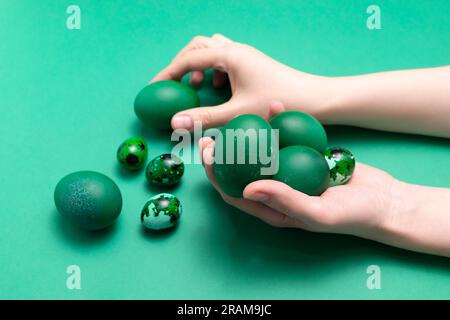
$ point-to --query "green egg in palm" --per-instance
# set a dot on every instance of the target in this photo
(243, 150)
(299, 128)
(341, 163)
(303, 169)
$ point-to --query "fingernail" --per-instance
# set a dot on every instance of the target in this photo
(258, 196)
(182, 122)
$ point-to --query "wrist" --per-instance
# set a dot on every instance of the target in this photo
(319, 96)
(403, 225)
(402, 207)
(334, 100)
(390, 221)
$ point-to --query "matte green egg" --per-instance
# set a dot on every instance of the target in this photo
(299, 128)
(208, 94)
(240, 152)
(158, 102)
(303, 169)
(88, 199)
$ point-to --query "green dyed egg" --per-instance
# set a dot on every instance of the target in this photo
(341, 163)
(299, 128)
(303, 169)
(243, 149)
(208, 94)
(88, 199)
(161, 212)
(132, 153)
(158, 102)
(166, 170)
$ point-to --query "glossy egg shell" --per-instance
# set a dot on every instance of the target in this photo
(88, 199)
(165, 170)
(299, 128)
(208, 94)
(303, 169)
(158, 102)
(234, 177)
(132, 153)
(162, 211)
(341, 163)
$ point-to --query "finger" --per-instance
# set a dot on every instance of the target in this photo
(203, 144)
(284, 199)
(199, 42)
(207, 116)
(207, 154)
(193, 60)
(220, 78)
(265, 213)
(275, 108)
(196, 78)
(222, 38)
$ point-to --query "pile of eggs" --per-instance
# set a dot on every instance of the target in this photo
(304, 162)
(93, 201)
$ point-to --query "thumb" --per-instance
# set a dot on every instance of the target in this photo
(208, 116)
(284, 199)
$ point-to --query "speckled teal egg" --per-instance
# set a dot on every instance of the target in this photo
(88, 199)
(158, 102)
(341, 163)
(304, 169)
(165, 170)
(299, 128)
(161, 212)
(132, 153)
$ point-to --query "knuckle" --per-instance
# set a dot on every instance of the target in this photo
(170, 73)
(230, 54)
(220, 37)
(197, 38)
(184, 63)
(206, 118)
(241, 47)
(234, 52)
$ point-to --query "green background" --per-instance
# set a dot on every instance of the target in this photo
(66, 104)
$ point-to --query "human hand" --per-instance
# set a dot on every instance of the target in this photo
(361, 205)
(256, 80)
(372, 205)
